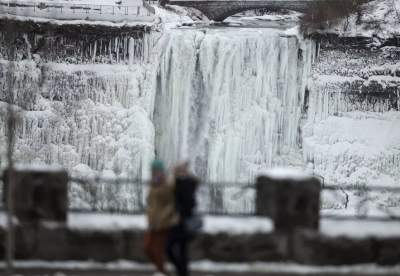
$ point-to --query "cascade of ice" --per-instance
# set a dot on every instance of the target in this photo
(351, 135)
(102, 47)
(86, 117)
(231, 101)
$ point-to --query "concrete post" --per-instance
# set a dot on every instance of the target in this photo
(290, 198)
(39, 195)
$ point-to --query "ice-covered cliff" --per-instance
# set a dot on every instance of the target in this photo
(233, 100)
(352, 135)
(86, 99)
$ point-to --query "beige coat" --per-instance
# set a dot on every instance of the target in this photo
(161, 212)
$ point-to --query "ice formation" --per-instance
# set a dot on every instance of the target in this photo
(231, 100)
(85, 117)
(352, 132)
(234, 101)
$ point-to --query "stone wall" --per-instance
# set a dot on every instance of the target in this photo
(51, 238)
(46, 242)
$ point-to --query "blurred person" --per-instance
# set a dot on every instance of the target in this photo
(161, 216)
(188, 224)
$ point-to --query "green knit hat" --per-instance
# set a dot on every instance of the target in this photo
(157, 165)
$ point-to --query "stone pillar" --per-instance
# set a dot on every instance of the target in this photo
(290, 198)
(39, 195)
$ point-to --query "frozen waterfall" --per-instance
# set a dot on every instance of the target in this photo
(89, 118)
(231, 101)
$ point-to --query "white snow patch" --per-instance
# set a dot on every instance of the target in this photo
(214, 267)
(212, 224)
(39, 168)
(360, 228)
(287, 173)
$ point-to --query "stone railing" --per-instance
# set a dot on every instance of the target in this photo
(291, 201)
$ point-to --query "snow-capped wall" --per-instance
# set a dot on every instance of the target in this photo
(231, 101)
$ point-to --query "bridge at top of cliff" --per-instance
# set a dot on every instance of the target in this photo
(219, 10)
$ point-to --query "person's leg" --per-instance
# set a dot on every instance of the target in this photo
(183, 246)
(154, 248)
(148, 246)
(159, 251)
(177, 250)
(171, 246)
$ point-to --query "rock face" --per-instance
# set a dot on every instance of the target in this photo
(73, 43)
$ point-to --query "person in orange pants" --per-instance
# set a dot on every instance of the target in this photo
(154, 247)
(161, 215)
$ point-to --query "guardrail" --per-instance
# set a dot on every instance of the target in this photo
(77, 11)
(128, 196)
(238, 199)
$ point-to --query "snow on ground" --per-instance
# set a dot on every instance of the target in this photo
(213, 267)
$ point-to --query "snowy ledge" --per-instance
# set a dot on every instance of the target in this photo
(360, 229)
(239, 225)
(233, 225)
(60, 22)
(215, 267)
(212, 224)
(287, 173)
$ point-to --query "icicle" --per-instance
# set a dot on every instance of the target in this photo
(94, 51)
(131, 50)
